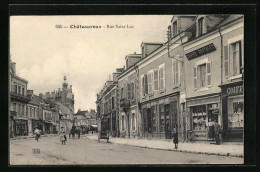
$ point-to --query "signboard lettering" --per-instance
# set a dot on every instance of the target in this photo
(199, 52)
(235, 90)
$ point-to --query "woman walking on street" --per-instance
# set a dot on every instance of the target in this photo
(175, 138)
(37, 133)
(63, 137)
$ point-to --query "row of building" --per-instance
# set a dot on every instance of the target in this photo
(50, 112)
(185, 83)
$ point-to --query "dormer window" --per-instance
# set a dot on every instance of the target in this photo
(174, 28)
(200, 26)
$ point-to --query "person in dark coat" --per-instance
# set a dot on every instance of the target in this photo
(217, 132)
(175, 138)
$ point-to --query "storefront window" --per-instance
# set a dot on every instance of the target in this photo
(133, 121)
(199, 117)
(123, 123)
(149, 120)
(235, 113)
(154, 118)
(162, 121)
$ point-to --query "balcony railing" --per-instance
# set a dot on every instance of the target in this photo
(125, 104)
(19, 97)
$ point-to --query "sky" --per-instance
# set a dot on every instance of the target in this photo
(44, 54)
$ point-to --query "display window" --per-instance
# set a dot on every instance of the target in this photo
(199, 118)
(236, 112)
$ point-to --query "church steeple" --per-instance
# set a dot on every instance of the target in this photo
(65, 84)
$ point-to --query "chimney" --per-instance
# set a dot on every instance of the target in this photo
(13, 67)
(29, 92)
(71, 88)
(41, 95)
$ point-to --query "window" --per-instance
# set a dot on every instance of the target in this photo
(19, 89)
(133, 91)
(162, 76)
(14, 107)
(19, 109)
(32, 112)
(174, 28)
(113, 103)
(199, 117)
(183, 109)
(122, 93)
(153, 118)
(155, 80)
(123, 123)
(235, 112)
(202, 75)
(15, 87)
(23, 91)
(133, 121)
(149, 80)
(200, 26)
(129, 91)
(28, 111)
(176, 72)
(36, 114)
(126, 63)
(235, 58)
(23, 110)
(144, 87)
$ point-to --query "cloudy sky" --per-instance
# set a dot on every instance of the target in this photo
(87, 56)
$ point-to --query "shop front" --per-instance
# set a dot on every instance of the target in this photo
(11, 124)
(48, 127)
(160, 117)
(233, 111)
(203, 111)
(21, 127)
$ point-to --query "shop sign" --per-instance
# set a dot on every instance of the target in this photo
(200, 135)
(167, 100)
(199, 52)
(153, 103)
(161, 101)
(235, 90)
(148, 105)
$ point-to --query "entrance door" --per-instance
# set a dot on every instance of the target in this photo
(167, 122)
(149, 123)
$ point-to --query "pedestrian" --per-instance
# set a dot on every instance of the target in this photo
(217, 132)
(78, 134)
(37, 133)
(63, 137)
(211, 129)
(175, 138)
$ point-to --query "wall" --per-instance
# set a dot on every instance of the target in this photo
(215, 58)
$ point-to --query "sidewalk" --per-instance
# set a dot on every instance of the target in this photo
(225, 149)
(31, 136)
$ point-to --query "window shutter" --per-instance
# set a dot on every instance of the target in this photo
(146, 84)
(177, 72)
(163, 77)
(226, 60)
(156, 79)
(209, 73)
(149, 80)
(195, 77)
(174, 71)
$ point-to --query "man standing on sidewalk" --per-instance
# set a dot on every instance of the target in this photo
(217, 132)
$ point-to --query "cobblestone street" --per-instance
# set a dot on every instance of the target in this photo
(89, 152)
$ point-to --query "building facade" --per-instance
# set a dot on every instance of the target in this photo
(129, 115)
(18, 121)
(232, 85)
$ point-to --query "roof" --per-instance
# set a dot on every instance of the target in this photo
(63, 108)
(36, 100)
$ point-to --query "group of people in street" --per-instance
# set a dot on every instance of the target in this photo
(214, 131)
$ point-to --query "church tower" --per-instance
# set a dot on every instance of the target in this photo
(66, 95)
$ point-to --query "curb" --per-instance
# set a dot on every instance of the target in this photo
(178, 150)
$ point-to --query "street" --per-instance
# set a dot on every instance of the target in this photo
(49, 151)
